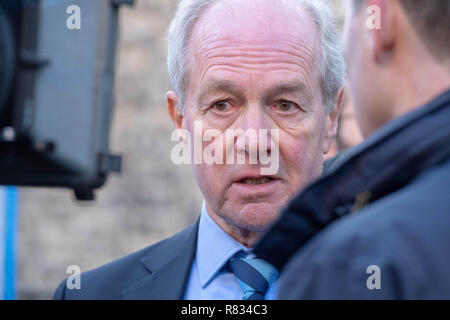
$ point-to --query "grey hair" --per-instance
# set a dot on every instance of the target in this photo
(332, 68)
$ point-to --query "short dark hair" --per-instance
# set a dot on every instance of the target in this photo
(431, 20)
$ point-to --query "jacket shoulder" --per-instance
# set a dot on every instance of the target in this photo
(108, 281)
(404, 234)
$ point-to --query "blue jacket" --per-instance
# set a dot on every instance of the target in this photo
(378, 225)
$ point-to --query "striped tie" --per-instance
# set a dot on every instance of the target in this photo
(254, 276)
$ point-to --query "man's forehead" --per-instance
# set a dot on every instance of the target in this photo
(257, 22)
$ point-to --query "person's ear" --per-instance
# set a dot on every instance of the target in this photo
(332, 122)
(381, 27)
(174, 110)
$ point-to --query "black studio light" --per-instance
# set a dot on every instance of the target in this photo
(57, 61)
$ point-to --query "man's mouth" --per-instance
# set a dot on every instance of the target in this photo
(256, 181)
(255, 186)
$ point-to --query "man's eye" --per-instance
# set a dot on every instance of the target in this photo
(286, 106)
(221, 105)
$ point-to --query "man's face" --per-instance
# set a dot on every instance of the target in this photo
(254, 66)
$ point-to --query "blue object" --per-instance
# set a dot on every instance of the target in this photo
(254, 275)
(8, 216)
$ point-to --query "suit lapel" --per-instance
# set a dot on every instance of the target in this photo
(169, 265)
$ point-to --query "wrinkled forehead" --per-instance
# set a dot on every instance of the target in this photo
(264, 24)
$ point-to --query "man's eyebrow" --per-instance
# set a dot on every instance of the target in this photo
(220, 85)
(289, 87)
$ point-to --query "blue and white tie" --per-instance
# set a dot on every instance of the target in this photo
(254, 276)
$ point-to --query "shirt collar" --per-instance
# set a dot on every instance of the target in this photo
(214, 248)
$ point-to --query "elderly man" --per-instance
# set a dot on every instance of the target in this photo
(244, 65)
(394, 245)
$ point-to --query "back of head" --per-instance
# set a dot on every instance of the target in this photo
(431, 20)
(398, 57)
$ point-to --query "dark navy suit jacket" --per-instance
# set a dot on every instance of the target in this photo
(159, 271)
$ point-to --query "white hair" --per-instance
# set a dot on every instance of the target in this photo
(332, 69)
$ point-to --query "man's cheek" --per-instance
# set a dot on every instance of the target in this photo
(212, 178)
(301, 162)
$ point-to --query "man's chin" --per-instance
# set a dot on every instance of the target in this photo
(257, 217)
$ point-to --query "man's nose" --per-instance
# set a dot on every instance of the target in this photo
(254, 132)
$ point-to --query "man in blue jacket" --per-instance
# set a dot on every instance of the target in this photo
(378, 225)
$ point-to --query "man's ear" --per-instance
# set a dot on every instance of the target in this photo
(381, 28)
(332, 122)
(174, 110)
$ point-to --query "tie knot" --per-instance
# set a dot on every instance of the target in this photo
(254, 276)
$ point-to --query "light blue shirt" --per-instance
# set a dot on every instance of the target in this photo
(210, 278)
